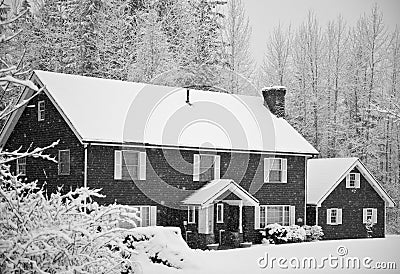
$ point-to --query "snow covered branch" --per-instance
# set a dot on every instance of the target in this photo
(38, 235)
(4, 38)
(10, 109)
(14, 80)
(36, 152)
(389, 112)
(6, 22)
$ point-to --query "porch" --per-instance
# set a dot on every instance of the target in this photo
(216, 214)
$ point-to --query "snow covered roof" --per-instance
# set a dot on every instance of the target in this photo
(216, 189)
(103, 110)
(323, 175)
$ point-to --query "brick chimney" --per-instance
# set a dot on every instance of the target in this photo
(274, 99)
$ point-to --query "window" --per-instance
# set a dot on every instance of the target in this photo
(63, 162)
(275, 170)
(41, 110)
(370, 214)
(147, 215)
(353, 180)
(130, 165)
(21, 166)
(283, 215)
(334, 216)
(220, 213)
(206, 167)
(262, 216)
(191, 214)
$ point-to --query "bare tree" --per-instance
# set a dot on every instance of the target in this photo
(236, 36)
(313, 39)
(375, 35)
(276, 59)
(337, 44)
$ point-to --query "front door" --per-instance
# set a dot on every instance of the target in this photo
(232, 222)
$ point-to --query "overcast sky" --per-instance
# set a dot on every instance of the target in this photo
(264, 15)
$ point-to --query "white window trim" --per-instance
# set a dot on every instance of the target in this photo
(41, 112)
(197, 164)
(59, 162)
(339, 218)
(291, 214)
(137, 166)
(152, 214)
(21, 162)
(191, 214)
(356, 180)
(141, 166)
(374, 215)
(220, 216)
(267, 169)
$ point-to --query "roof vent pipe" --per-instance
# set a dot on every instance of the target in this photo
(188, 97)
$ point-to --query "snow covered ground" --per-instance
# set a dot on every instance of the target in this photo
(344, 256)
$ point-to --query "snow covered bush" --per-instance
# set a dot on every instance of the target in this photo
(60, 234)
(313, 233)
(276, 233)
(291, 234)
(295, 234)
(163, 245)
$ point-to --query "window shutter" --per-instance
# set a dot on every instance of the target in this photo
(68, 163)
(142, 166)
(357, 183)
(41, 110)
(257, 217)
(267, 168)
(202, 220)
(374, 215)
(153, 215)
(188, 215)
(217, 162)
(364, 215)
(339, 216)
(59, 162)
(210, 219)
(292, 211)
(348, 180)
(196, 167)
(118, 164)
(328, 216)
(284, 170)
(17, 167)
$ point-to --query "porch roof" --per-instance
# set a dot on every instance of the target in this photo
(215, 189)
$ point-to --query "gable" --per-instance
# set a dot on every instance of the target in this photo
(324, 175)
(31, 107)
(364, 194)
(102, 110)
(219, 189)
(29, 133)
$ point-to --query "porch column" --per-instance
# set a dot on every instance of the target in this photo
(240, 217)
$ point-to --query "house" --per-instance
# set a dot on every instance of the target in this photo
(219, 166)
(342, 196)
